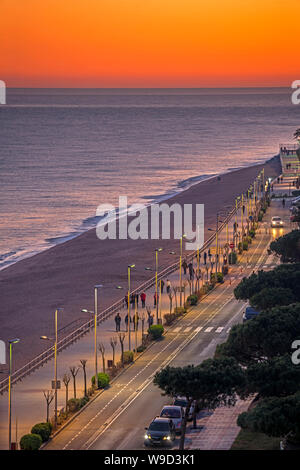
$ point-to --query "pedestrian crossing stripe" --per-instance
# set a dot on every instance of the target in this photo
(187, 329)
(177, 329)
(219, 329)
(208, 330)
(199, 328)
(228, 330)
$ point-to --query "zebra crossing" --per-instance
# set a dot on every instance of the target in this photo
(209, 329)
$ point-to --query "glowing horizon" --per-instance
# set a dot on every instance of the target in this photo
(156, 44)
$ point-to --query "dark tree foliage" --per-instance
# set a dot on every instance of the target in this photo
(277, 377)
(213, 383)
(285, 276)
(271, 296)
(275, 416)
(260, 339)
(287, 247)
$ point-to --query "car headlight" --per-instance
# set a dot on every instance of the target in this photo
(167, 438)
(281, 222)
(147, 436)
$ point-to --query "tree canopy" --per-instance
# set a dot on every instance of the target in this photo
(264, 337)
(287, 247)
(285, 276)
(213, 383)
(273, 416)
(271, 296)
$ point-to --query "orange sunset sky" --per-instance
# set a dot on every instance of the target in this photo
(149, 43)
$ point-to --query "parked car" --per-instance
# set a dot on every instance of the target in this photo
(276, 222)
(175, 413)
(250, 313)
(161, 432)
(182, 401)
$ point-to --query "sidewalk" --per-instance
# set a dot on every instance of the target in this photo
(217, 430)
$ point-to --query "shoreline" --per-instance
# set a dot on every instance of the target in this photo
(76, 231)
(64, 275)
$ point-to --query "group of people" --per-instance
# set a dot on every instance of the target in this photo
(134, 319)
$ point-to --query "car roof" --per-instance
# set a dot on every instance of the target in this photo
(276, 217)
(176, 407)
(161, 420)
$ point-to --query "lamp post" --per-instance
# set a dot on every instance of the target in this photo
(180, 268)
(157, 250)
(55, 363)
(130, 266)
(10, 342)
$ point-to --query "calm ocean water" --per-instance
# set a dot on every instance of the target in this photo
(65, 151)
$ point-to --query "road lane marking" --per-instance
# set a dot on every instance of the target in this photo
(187, 329)
(199, 328)
(219, 329)
(209, 329)
(177, 329)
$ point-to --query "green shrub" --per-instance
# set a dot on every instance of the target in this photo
(103, 379)
(127, 357)
(249, 240)
(43, 430)
(74, 404)
(83, 401)
(245, 245)
(156, 331)
(232, 258)
(169, 318)
(192, 299)
(179, 311)
(260, 216)
(140, 349)
(220, 278)
(252, 233)
(31, 442)
(203, 289)
(240, 248)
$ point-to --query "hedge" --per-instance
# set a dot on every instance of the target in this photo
(43, 430)
(192, 299)
(103, 380)
(31, 442)
(156, 331)
(127, 357)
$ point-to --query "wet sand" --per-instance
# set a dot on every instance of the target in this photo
(64, 275)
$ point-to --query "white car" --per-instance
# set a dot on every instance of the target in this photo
(182, 401)
(175, 413)
(276, 222)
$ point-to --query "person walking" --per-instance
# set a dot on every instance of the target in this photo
(283, 202)
(118, 321)
(204, 257)
(126, 301)
(168, 286)
(136, 322)
(162, 285)
(156, 299)
(143, 299)
(191, 270)
(150, 320)
(184, 265)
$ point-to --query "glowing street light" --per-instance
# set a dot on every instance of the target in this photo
(10, 342)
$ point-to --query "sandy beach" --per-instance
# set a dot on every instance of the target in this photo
(64, 275)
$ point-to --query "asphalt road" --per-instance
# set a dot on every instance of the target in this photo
(116, 418)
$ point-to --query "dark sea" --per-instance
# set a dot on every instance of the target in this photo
(65, 151)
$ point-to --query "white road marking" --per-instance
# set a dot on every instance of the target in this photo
(187, 329)
(199, 328)
(209, 329)
(219, 329)
(177, 329)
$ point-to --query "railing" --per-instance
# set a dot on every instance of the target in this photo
(83, 329)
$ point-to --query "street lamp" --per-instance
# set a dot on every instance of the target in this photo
(180, 268)
(157, 250)
(10, 342)
(55, 364)
(95, 313)
(130, 267)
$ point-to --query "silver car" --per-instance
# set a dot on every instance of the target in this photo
(276, 222)
(182, 401)
(176, 414)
